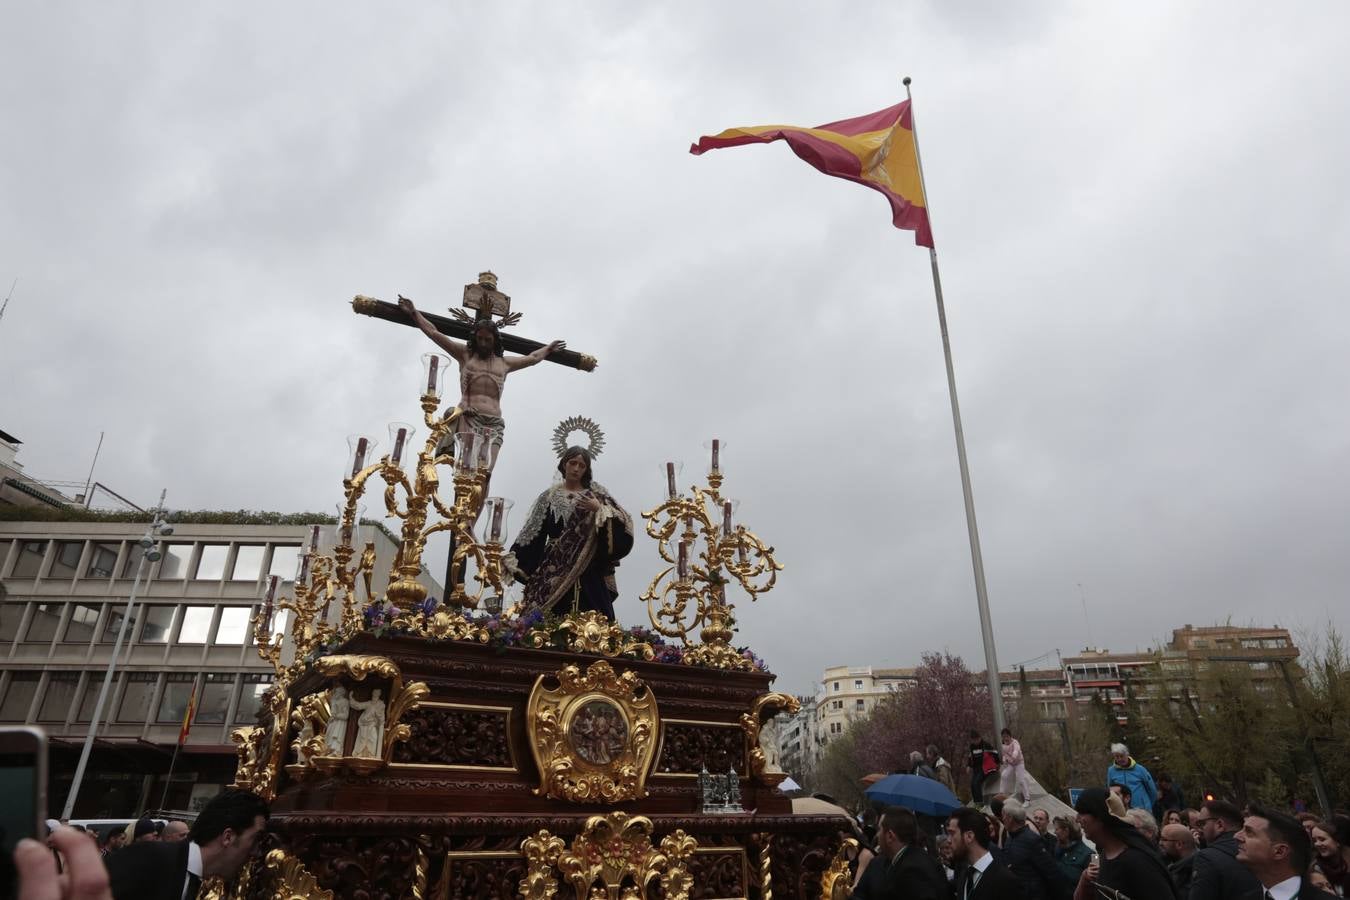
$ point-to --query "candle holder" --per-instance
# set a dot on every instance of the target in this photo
(433, 374)
(705, 552)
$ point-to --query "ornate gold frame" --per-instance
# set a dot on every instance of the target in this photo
(837, 882)
(564, 774)
(754, 720)
(609, 850)
(402, 698)
(661, 743)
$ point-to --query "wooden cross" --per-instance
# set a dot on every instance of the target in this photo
(486, 301)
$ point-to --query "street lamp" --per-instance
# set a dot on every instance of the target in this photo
(149, 553)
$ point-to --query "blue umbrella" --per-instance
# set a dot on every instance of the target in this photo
(922, 795)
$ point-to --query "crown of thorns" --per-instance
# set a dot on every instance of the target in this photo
(578, 423)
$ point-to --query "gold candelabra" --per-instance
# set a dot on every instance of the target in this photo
(690, 593)
(324, 579)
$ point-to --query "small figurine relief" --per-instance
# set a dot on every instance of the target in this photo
(335, 735)
(369, 727)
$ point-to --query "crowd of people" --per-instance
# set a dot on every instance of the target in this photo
(147, 860)
(1130, 839)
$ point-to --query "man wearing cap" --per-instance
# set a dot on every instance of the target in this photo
(1275, 848)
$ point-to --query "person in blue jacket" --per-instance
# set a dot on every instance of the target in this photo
(1126, 772)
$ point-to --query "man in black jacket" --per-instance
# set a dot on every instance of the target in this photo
(980, 876)
(1276, 850)
(220, 843)
(1024, 855)
(1216, 874)
(911, 874)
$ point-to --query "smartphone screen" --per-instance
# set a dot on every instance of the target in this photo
(23, 785)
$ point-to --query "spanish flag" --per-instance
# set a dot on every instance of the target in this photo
(877, 151)
(188, 715)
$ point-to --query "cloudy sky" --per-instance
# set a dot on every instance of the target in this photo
(1140, 210)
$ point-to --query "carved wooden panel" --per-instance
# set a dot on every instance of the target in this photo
(356, 868)
(454, 735)
(687, 747)
(720, 873)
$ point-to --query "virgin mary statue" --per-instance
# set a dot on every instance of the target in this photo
(571, 542)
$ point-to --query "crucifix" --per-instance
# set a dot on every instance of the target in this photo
(483, 364)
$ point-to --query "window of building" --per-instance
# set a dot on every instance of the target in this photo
(22, 687)
(29, 562)
(103, 560)
(114, 623)
(837, 704)
(215, 699)
(196, 624)
(836, 686)
(174, 563)
(836, 728)
(92, 685)
(857, 684)
(233, 627)
(135, 553)
(173, 702)
(158, 624)
(285, 560)
(248, 561)
(11, 614)
(42, 627)
(140, 690)
(59, 696)
(250, 697)
(66, 559)
(860, 704)
(83, 621)
(211, 565)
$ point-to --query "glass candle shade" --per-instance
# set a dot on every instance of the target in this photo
(670, 477)
(468, 451)
(400, 437)
(493, 524)
(360, 452)
(715, 448)
(433, 373)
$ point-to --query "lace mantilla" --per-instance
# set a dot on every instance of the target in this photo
(559, 501)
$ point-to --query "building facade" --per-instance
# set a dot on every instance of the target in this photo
(64, 589)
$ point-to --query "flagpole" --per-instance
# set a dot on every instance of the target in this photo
(976, 557)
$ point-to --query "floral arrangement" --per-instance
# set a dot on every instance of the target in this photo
(531, 630)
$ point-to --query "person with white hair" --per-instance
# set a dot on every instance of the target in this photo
(1127, 772)
(1144, 822)
(1025, 855)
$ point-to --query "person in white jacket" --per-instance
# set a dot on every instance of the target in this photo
(1014, 769)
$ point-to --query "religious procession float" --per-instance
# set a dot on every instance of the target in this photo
(426, 748)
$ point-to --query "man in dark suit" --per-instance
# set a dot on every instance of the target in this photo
(911, 874)
(1275, 848)
(980, 876)
(220, 843)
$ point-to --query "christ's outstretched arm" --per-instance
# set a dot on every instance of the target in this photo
(446, 343)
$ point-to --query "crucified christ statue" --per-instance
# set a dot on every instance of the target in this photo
(483, 367)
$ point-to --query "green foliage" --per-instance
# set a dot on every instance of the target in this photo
(838, 772)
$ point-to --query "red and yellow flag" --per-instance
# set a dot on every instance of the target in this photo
(876, 150)
(188, 715)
